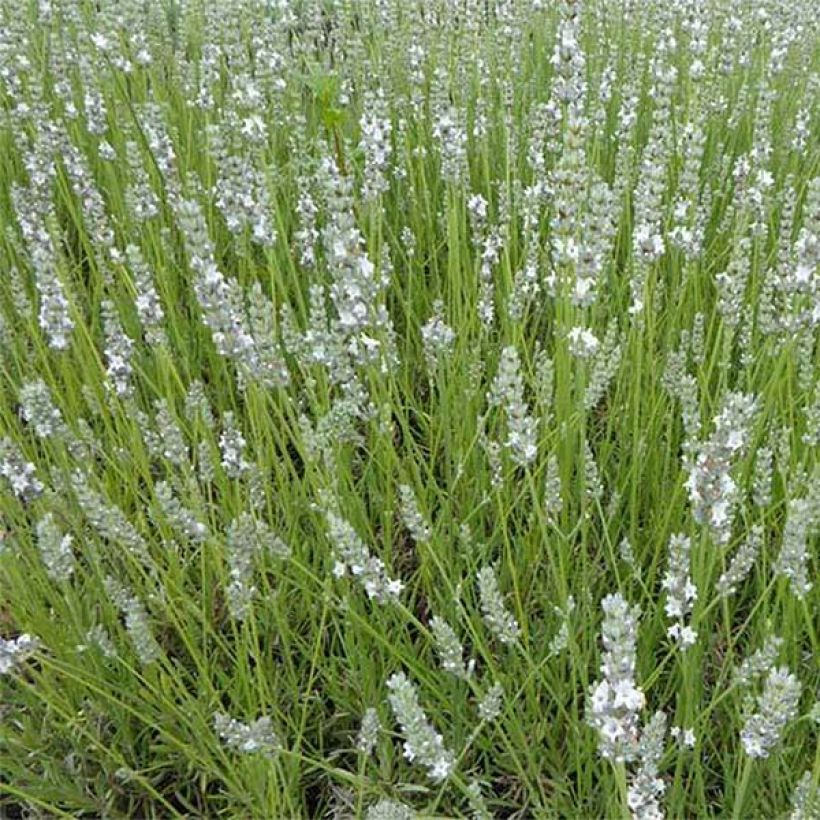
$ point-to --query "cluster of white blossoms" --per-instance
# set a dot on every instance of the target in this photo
(353, 556)
(422, 744)
(681, 593)
(495, 309)
(713, 492)
(616, 701)
(249, 738)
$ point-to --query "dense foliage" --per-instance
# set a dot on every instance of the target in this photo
(409, 408)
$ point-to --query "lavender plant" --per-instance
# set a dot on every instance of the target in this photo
(338, 338)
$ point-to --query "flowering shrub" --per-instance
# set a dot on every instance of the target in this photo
(409, 408)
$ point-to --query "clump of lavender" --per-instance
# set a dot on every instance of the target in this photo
(553, 501)
(680, 591)
(776, 707)
(499, 621)
(362, 325)
(422, 743)
(491, 703)
(248, 738)
(615, 701)
(147, 301)
(762, 479)
(108, 520)
(221, 299)
(97, 636)
(507, 391)
(54, 313)
(759, 661)
(178, 515)
(713, 492)
(119, 349)
(478, 806)
(55, 548)
(560, 641)
(582, 342)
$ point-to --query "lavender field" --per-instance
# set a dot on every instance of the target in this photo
(409, 409)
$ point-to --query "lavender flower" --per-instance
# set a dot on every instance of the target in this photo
(450, 650)
(615, 701)
(18, 472)
(55, 548)
(508, 392)
(680, 591)
(777, 706)
(14, 651)
(254, 738)
(422, 743)
(500, 622)
(352, 555)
